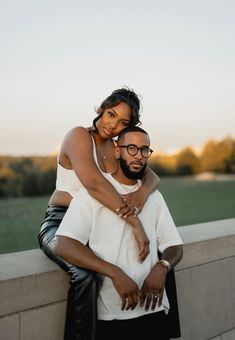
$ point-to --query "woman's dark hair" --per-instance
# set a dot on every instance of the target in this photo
(122, 95)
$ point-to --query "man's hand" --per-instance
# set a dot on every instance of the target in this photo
(153, 287)
(127, 289)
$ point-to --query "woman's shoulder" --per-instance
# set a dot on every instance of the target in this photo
(76, 139)
(78, 132)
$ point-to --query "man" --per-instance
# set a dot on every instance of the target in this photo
(132, 295)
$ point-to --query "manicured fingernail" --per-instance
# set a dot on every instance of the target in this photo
(118, 209)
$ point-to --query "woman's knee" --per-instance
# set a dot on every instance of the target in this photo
(84, 279)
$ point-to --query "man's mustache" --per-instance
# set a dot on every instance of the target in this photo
(137, 162)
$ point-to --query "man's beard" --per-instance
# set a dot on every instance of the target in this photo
(131, 174)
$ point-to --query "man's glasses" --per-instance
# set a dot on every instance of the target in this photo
(133, 149)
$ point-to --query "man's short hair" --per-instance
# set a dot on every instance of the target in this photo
(131, 129)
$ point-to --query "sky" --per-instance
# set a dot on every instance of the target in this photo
(60, 59)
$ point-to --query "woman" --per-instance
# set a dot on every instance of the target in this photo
(84, 152)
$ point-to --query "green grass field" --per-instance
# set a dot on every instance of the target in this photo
(192, 201)
(189, 201)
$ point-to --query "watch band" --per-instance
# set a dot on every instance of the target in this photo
(165, 264)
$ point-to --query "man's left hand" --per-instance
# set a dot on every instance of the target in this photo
(153, 287)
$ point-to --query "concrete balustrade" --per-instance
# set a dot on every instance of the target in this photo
(33, 289)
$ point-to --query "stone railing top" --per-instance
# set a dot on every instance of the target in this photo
(207, 231)
(24, 263)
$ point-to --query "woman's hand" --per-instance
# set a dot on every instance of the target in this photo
(135, 201)
(127, 208)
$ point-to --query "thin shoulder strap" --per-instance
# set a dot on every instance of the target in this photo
(94, 152)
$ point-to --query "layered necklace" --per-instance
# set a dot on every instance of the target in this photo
(130, 188)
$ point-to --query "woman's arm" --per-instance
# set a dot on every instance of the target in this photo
(78, 148)
(150, 182)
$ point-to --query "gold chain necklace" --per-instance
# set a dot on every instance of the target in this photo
(130, 188)
(102, 153)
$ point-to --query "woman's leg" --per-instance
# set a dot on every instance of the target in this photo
(81, 311)
(80, 319)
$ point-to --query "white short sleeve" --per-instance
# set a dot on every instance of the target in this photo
(167, 233)
(76, 222)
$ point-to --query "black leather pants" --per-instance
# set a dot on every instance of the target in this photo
(80, 322)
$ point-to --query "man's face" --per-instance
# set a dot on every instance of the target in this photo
(133, 166)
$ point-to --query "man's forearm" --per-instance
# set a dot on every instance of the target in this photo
(76, 253)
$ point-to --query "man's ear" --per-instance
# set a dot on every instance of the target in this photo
(117, 152)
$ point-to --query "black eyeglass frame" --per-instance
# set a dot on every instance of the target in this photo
(127, 146)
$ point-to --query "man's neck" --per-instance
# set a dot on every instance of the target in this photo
(121, 178)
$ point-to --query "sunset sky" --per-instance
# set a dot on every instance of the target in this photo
(60, 59)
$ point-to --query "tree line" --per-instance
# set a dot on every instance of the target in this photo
(215, 156)
(27, 176)
(35, 176)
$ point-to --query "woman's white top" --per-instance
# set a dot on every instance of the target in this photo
(67, 180)
(112, 239)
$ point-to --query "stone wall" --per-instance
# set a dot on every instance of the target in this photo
(33, 289)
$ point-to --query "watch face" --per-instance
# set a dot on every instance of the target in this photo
(165, 263)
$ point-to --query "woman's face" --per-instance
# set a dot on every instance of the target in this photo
(114, 120)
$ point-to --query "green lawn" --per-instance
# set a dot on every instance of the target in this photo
(189, 201)
(20, 220)
(193, 201)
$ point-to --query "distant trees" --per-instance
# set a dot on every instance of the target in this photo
(27, 176)
(216, 156)
(33, 176)
(187, 162)
(219, 156)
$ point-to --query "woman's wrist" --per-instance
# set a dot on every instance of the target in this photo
(133, 221)
(143, 193)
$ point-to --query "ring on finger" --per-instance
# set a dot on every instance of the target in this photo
(136, 210)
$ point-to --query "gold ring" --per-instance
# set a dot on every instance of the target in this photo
(136, 210)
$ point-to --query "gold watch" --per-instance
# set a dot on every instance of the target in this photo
(165, 264)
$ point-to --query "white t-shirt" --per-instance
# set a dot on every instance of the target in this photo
(112, 239)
